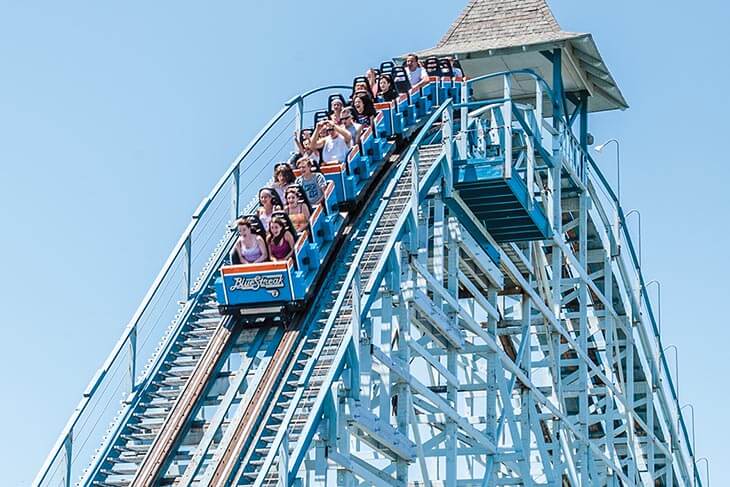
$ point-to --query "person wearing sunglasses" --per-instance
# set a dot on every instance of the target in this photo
(349, 123)
(333, 139)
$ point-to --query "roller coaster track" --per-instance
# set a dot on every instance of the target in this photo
(177, 377)
(290, 359)
(156, 423)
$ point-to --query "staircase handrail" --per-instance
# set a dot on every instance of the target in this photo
(526, 72)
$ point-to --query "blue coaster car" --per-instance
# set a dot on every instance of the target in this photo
(273, 289)
(254, 289)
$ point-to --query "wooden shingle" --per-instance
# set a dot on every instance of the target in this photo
(497, 24)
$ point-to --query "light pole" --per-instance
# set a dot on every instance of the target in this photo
(707, 468)
(599, 148)
(676, 366)
(694, 464)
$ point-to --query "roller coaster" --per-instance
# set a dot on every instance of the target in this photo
(470, 305)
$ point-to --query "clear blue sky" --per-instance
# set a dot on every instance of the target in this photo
(116, 120)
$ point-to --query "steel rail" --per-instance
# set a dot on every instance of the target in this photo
(528, 72)
(253, 409)
(356, 271)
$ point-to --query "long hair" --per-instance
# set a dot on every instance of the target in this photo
(367, 103)
(300, 194)
(283, 223)
(253, 223)
(275, 200)
(389, 94)
(285, 169)
(244, 221)
(283, 220)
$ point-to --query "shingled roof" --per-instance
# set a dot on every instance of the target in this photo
(509, 30)
(496, 24)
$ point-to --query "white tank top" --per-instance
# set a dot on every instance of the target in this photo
(335, 149)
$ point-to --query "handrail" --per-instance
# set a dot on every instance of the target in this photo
(183, 245)
(529, 72)
(316, 90)
(643, 295)
(510, 111)
(376, 274)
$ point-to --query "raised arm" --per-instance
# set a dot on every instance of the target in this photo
(344, 133)
(298, 143)
(316, 140)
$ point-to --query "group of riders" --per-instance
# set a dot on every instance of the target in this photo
(298, 187)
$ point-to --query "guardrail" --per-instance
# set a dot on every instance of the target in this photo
(174, 292)
(532, 120)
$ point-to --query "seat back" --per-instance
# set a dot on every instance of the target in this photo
(445, 68)
(387, 66)
(400, 79)
(431, 65)
(360, 79)
(333, 97)
(320, 115)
